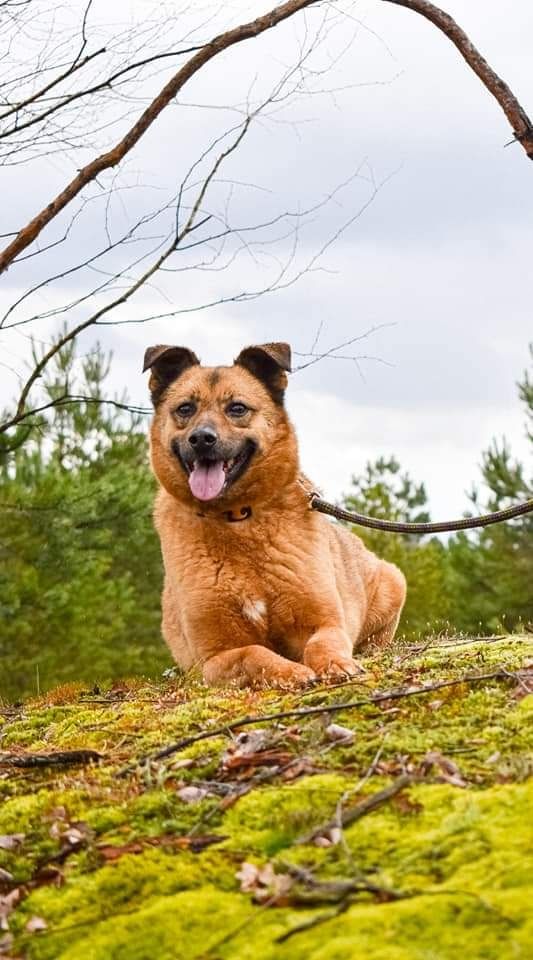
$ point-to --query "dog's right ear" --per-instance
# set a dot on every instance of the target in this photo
(166, 364)
(270, 363)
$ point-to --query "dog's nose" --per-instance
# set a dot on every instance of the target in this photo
(203, 440)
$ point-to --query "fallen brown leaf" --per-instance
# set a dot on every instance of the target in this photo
(448, 771)
(10, 841)
(35, 924)
(341, 735)
(7, 905)
(264, 883)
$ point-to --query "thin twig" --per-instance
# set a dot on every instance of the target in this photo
(112, 157)
(316, 920)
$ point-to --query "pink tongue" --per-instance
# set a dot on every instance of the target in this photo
(207, 479)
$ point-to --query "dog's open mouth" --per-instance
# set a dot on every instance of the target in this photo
(209, 478)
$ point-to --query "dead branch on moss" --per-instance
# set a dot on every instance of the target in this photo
(395, 694)
(360, 809)
(57, 759)
(315, 921)
(341, 893)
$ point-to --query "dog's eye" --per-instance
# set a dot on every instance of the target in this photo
(237, 409)
(185, 409)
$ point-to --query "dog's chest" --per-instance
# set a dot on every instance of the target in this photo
(277, 587)
(283, 593)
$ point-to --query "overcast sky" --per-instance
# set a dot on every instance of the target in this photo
(437, 264)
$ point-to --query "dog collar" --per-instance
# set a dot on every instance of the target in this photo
(229, 516)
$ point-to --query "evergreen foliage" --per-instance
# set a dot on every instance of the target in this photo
(80, 568)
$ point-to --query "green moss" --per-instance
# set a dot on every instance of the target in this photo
(33, 816)
(126, 885)
(461, 858)
(149, 815)
(267, 820)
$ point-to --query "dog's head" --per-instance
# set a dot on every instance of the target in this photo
(221, 433)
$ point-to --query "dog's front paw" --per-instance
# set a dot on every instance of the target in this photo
(292, 675)
(334, 666)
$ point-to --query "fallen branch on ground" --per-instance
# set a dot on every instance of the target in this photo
(57, 759)
(360, 809)
(395, 694)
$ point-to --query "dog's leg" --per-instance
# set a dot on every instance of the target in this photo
(383, 635)
(386, 607)
(254, 665)
(329, 652)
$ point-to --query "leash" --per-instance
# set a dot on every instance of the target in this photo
(390, 526)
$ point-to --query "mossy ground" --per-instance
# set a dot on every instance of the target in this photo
(123, 868)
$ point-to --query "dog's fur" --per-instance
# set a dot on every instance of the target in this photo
(281, 595)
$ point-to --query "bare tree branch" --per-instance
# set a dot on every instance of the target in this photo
(110, 158)
(521, 124)
(180, 233)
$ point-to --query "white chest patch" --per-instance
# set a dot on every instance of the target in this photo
(254, 610)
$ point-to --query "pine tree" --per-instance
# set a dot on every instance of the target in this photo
(384, 491)
(493, 570)
(80, 571)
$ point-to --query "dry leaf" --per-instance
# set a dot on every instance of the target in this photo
(322, 842)
(111, 852)
(6, 942)
(10, 841)
(192, 794)
(338, 734)
(35, 924)
(449, 771)
(264, 883)
(7, 904)
(524, 687)
(76, 835)
(330, 838)
(246, 744)
(298, 768)
(248, 875)
(251, 741)
(404, 804)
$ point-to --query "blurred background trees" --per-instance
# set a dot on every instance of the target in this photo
(80, 568)
(481, 581)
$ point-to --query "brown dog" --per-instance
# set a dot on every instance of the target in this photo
(258, 588)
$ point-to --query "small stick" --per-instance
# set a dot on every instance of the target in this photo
(360, 809)
(315, 921)
(60, 758)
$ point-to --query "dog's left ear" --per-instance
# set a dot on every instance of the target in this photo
(270, 363)
(166, 364)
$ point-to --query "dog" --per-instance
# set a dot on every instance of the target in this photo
(259, 588)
